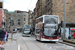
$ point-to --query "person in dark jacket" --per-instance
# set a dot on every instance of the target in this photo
(2, 36)
(7, 36)
(69, 37)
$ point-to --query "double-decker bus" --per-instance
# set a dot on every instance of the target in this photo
(46, 28)
(26, 30)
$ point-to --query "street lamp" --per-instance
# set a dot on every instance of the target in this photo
(64, 19)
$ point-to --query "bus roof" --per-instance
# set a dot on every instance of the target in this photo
(46, 15)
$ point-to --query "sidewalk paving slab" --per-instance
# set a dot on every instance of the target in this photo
(68, 42)
(10, 45)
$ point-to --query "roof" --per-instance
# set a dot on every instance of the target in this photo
(10, 11)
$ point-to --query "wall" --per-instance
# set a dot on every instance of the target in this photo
(58, 9)
(0, 18)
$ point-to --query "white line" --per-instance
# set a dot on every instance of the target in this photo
(18, 47)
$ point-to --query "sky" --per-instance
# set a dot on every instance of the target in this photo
(23, 5)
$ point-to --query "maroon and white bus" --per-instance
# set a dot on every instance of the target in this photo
(46, 28)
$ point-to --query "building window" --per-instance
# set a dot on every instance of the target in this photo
(9, 17)
(18, 15)
(24, 15)
(19, 21)
(9, 14)
(19, 11)
(1, 5)
(24, 19)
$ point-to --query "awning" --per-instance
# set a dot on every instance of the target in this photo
(72, 29)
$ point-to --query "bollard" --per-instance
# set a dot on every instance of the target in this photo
(11, 36)
(1, 48)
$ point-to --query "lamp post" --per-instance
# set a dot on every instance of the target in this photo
(64, 19)
(11, 28)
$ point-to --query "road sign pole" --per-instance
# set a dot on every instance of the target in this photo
(12, 29)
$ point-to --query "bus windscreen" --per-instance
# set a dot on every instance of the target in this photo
(51, 20)
(26, 26)
(50, 26)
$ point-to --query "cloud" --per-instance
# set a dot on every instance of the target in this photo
(23, 5)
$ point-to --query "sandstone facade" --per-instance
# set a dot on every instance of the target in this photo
(58, 9)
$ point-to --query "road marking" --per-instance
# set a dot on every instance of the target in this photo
(18, 47)
(46, 45)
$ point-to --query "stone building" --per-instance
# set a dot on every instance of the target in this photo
(30, 18)
(48, 7)
(20, 18)
(40, 7)
(34, 17)
(6, 18)
(57, 8)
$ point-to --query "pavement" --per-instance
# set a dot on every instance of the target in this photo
(10, 45)
(70, 42)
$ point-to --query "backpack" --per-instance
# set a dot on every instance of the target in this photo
(69, 37)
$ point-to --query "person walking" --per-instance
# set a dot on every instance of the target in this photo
(31, 31)
(2, 36)
(69, 37)
(6, 37)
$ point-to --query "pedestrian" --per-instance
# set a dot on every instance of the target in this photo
(5, 39)
(7, 36)
(66, 37)
(31, 31)
(59, 34)
(2, 36)
(69, 37)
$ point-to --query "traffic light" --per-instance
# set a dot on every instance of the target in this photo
(11, 22)
(61, 24)
(3, 23)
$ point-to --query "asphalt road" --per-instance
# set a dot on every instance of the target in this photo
(29, 43)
